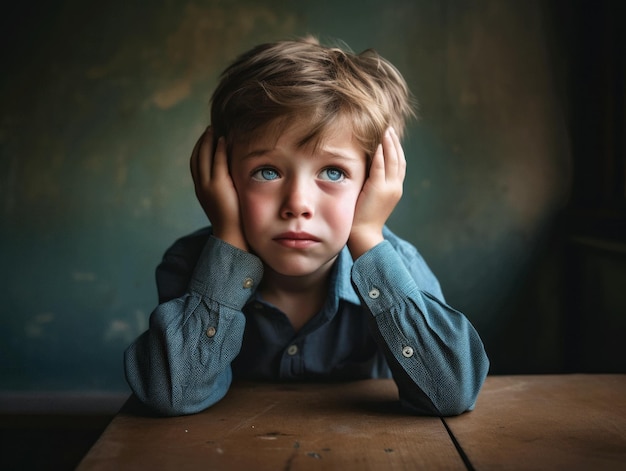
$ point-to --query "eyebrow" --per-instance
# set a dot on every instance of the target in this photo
(340, 155)
(322, 151)
(255, 154)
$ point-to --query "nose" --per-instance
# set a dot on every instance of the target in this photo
(297, 200)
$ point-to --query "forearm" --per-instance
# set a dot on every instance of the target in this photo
(181, 365)
(435, 354)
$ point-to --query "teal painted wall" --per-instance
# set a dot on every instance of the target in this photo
(103, 101)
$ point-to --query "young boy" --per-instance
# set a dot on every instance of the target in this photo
(299, 278)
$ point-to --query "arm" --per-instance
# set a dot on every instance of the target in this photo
(182, 363)
(436, 356)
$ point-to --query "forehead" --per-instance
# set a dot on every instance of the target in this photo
(335, 140)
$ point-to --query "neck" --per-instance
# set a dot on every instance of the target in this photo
(299, 297)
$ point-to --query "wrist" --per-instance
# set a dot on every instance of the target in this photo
(359, 243)
(232, 237)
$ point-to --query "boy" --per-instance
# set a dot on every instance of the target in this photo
(299, 278)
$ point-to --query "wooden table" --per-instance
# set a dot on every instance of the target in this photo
(520, 422)
(564, 422)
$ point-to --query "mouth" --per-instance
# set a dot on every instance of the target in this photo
(296, 240)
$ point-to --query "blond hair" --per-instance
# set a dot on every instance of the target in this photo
(276, 84)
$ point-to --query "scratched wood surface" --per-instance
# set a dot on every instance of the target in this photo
(567, 422)
(356, 425)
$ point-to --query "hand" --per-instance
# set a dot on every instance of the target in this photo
(215, 189)
(380, 194)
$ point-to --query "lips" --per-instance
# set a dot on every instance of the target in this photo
(297, 240)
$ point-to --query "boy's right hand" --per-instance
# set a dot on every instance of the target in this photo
(215, 189)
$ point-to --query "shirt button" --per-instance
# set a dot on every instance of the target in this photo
(292, 350)
(248, 282)
(407, 352)
(374, 293)
(210, 332)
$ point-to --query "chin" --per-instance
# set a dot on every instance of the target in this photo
(300, 268)
(295, 271)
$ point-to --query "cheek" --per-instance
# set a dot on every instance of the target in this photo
(254, 211)
(340, 211)
(248, 206)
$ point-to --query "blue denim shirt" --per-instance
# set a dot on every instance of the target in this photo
(384, 316)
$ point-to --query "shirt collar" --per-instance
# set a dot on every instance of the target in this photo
(341, 278)
(341, 288)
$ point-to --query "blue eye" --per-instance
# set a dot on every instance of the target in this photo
(332, 174)
(265, 174)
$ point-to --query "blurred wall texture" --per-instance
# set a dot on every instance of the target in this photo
(103, 101)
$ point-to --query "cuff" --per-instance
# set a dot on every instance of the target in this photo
(380, 277)
(226, 274)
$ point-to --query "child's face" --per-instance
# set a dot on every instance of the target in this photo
(297, 205)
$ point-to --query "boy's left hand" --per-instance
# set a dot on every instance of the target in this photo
(380, 195)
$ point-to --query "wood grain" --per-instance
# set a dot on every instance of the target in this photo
(356, 425)
(567, 422)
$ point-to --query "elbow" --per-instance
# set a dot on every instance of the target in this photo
(453, 394)
(458, 395)
(164, 402)
(166, 397)
(443, 407)
(164, 406)
(172, 409)
(456, 406)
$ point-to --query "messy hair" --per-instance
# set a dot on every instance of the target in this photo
(276, 84)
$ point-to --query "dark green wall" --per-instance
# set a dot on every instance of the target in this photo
(103, 101)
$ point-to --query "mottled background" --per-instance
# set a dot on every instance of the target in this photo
(103, 101)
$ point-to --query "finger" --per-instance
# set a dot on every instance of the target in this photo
(204, 159)
(220, 160)
(196, 160)
(193, 160)
(395, 159)
(399, 153)
(377, 167)
(391, 155)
